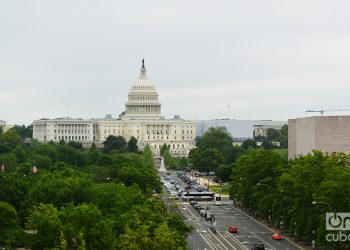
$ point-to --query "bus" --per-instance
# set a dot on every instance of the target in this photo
(217, 199)
(198, 196)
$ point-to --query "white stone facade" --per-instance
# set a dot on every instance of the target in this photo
(239, 129)
(142, 119)
(68, 129)
(4, 126)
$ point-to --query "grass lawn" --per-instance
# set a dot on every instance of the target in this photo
(283, 152)
(225, 189)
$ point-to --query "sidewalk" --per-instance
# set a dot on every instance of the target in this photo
(287, 236)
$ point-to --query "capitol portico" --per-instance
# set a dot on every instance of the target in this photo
(141, 119)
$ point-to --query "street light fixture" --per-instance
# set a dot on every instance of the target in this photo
(330, 210)
(323, 202)
(329, 206)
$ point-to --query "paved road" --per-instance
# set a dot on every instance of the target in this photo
(249, 233)
(249, 230)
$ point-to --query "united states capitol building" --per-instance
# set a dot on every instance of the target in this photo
(141, 119)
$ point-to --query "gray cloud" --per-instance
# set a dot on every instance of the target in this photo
(267, 59)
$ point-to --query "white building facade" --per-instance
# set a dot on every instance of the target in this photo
(239, 129)
(141, 119)
(4, 126)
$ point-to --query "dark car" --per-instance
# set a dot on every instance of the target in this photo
(196, 206)
(258, 246)
(193, 203)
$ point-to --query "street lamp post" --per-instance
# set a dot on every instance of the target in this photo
(281, 224)
(269, 217)
(270, 189)
(330, 210)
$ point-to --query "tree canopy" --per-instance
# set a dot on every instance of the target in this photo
(82, 198)
(267, 185)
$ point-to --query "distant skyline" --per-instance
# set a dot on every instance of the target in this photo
(239, 59)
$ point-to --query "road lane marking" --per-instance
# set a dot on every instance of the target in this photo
(236, 240)
(208, 241)
(221, 242)
(264, 241)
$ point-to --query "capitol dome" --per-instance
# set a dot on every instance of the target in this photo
(143, 99)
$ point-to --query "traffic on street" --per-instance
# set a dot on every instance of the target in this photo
(219, 226)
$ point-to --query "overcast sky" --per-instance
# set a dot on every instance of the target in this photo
(237, 59)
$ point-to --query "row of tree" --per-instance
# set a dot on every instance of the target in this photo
(293, 195)
(215, 152)
(82, 199)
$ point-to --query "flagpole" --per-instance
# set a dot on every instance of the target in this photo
(228, 109)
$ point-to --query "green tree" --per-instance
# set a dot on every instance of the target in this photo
(9, 161)
(24, 131)
(148, 157)
(218, 138)
(59, 188)
(254, 177)
(41, 162)
(168, 160)
(114, 143)
(283, 138)
(164, 237)
(93, 155)
(206, 160)
(11, 138)
(249, 144)
(224, 172)
(78, 227)
(267, 145)
(85, 224)
(15, 188)
(272, 134)
(44, 218)
(132, 145)
(20, 154)
(76, 145)
(233, 153)
(10, 232)
(131, 169)
(116, 199)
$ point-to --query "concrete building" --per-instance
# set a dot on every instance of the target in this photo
(4, 126)
(141, 119)
(326, 133)
(240, 130)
